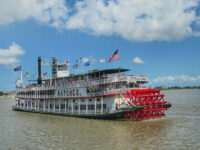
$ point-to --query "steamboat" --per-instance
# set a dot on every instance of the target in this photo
(97, 94)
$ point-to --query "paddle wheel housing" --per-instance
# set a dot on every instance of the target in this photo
(152, 104)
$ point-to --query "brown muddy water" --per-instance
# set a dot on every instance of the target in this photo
(180, 129)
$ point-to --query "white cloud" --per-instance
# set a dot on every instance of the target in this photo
(177, 78)
(137, 60)
(139, 20)
(136, 20)
(10, 56)
(52, 12)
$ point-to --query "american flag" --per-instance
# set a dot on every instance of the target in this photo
(79, 60)
(44, 74)
(114, 56)
(75, 66)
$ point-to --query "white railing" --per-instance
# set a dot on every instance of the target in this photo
(92, 94)
(82, 83)
(60, 111)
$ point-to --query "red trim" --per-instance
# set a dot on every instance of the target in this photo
(152, 102)
(73, 97)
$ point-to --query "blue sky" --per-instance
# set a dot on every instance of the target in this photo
(162, 44)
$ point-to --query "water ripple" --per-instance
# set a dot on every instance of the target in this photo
(29, 131)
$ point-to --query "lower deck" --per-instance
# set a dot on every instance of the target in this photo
(84, 106)
(97, 109)
(62, 106)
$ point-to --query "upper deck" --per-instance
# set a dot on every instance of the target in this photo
(92, 78)
(103, 82)
(83, 83)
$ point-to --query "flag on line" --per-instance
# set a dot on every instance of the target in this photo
(79, 60)
(75, 66)
(87, 64)
(114, 56)
(102, 60)
(44, 74)
(66, 63)
(19, 68)
(26, 74)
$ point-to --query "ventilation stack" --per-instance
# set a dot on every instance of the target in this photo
(39, 71)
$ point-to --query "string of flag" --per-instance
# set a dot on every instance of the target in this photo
(83, 60)
(86, 61)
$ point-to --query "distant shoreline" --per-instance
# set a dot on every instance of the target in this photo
(6, 96)
(177, 88)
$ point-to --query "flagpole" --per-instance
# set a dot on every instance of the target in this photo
(119, 62)
(22, 76)
(69, 66)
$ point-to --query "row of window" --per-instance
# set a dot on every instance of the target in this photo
(71, 92)
(75, 107)
(43, 92)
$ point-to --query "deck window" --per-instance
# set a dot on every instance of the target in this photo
(90, 107)
(83, 107)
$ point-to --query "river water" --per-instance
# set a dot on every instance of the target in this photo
(180, 129)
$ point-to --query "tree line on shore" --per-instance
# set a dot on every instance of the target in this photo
(185, 87)
(176, 87)
(3, 93)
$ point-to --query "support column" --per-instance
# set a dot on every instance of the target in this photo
(59, 105)
(79, 108)
(24, 104)
(27, 105)
(68, 105)
(72, 106)
(35, 104)
(54, 107)
(38, 105)
(20, 104)
(65, 105)
(44, 105)
(49, 106)
(101, 105)
(31, 105)
(86, 101)
(95, 106)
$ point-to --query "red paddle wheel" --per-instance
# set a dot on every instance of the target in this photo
(152, 103)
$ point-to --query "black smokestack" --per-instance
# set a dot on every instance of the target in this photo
(39, 71)
(54, 69)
